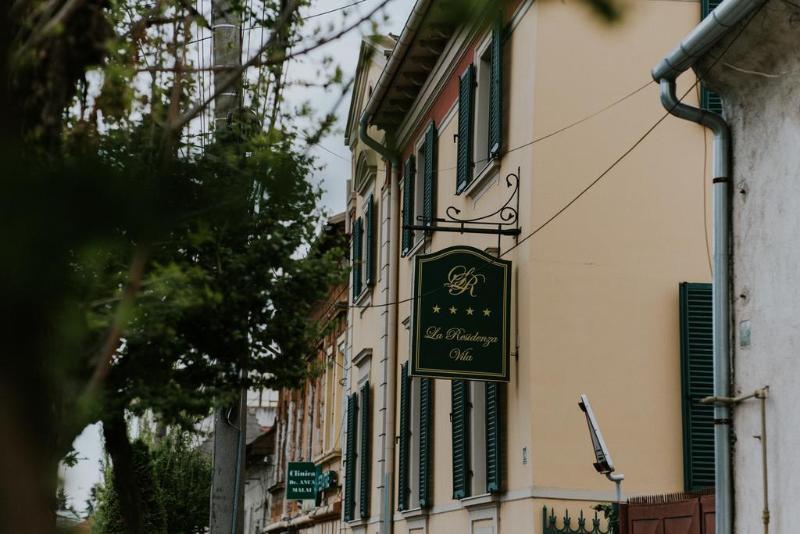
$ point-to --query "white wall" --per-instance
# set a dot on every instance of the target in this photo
(763, 108)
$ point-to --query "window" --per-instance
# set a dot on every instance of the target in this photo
(476, 437)
(358, 441)
(480, 110)
(363, 242)
(709, 100)
(697, 382)
(419, 188)
(416, 418)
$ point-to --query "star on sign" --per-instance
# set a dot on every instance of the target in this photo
(487, 312)
(436, 309)
(453, 310)
(470, 311)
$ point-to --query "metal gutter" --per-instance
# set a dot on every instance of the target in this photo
(391, 295)
(693, 47)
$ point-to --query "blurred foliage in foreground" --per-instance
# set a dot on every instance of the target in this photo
(173, 488)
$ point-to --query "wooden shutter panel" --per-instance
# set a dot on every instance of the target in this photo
(460, 421)
(369, 248)
(697, 373)
(350, 458)
(408, 203)
(366, 454)
(357, 259)
(494, 442)
(466, 91)
(709, 100)
(429, 179)
(425, 440)
(496, 90)
(403, 485)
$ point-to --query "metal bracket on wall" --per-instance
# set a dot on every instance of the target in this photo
(762, 395)
(504, 221)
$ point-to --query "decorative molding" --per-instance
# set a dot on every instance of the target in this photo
(362, 356)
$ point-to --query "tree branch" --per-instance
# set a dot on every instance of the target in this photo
(115, 333)
(255, 60)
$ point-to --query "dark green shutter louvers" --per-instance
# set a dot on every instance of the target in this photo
(350, 458)
(369, 248)
(494, 442)
(366, 454)
(425, 440)
(697, 381)
(466, 91)
(429, 182)
(403, 485)
(357, 259)
(496, 91)
(460, 422)
(408, 203)
(709, 100)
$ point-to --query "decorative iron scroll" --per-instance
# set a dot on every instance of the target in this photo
(502, 221)
(505, 215)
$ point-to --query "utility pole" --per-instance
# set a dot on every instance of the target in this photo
(230, 423)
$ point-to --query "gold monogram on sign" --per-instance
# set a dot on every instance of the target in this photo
(462, 280)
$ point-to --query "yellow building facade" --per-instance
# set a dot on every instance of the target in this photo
(611, 223)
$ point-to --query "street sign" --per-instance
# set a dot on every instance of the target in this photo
(301, 481)
(461, 315)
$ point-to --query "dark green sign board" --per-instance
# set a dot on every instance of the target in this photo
(461, 315)
(301, 481)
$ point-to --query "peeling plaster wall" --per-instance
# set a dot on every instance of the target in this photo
(759, 79)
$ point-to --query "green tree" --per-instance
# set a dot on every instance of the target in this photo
(109, 517)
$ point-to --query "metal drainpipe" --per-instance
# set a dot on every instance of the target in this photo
(683, 57)
(720, 292)
(390, 300)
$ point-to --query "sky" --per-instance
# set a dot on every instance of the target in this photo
(333, 158)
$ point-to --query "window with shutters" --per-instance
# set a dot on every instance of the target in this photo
(709, 100)
(364, 243)
(358, 443)
(476, 417)
(480, 126)
(697, 382)
(419, 188)
(416, 419)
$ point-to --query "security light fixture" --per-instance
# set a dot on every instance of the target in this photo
(603, 464)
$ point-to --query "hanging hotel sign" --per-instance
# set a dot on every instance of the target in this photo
(461, 315)
(301, 481)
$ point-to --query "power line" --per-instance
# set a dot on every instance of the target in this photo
(309, 17)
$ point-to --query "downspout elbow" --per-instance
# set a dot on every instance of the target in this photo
(374, 144)
(713, 121)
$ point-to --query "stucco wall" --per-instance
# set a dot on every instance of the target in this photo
(762, 108)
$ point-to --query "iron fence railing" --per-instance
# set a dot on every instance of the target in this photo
(549, 524)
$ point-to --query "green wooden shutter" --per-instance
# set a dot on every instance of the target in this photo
(429, 182)
(496, 91)
(408, 203)
(697, 373)
(350, 458)
(466, 91)
(403, 484)
(494, 442)
(425, 440)
(369, 245)
(459, 395)
(366, 454)
(709, 100)
(357, 258)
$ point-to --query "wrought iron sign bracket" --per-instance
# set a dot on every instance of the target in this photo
(502, 222)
